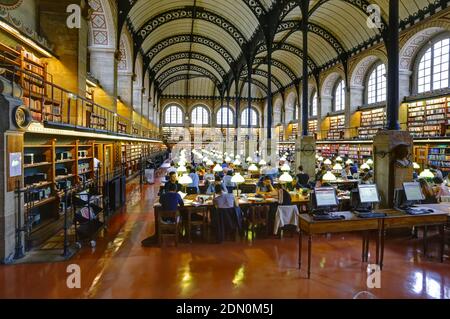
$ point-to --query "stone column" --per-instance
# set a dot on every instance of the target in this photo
(124, 87)
(8, 198)
(405, 84)
(104, 69)
(388, 175)
(356, 97)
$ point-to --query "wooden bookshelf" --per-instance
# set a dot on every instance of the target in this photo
(312, 126)
(371, 122)
(337, 127)
(355, 151)
(429, 118)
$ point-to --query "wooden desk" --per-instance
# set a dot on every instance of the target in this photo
(351, 223)
(394, 219)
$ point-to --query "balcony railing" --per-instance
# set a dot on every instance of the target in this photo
(54, 106)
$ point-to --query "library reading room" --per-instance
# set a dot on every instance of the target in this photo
(232, 149)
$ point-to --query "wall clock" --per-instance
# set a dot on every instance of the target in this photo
(10, 4)
(21, 117)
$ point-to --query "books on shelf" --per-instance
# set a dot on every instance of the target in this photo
(429, 118)
(371, 122)
(337, 127)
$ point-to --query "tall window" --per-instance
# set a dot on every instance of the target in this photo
(225, 116)
(296, 112)
(433, 72)
(200, 116)
(376, 88)
(253, 118)
(339, 96)
(314, 104)
(173, 115)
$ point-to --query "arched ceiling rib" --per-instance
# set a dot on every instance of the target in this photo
(192, 62)
(186, 67)
(186, 38)
(186, 55)
(217, 35)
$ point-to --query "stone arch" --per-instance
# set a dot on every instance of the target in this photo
(277, 111)
(290, 107)
(359, 72)
(138, 85)
(102, 30)
(413, 44)
(326, 91)
(125, 63)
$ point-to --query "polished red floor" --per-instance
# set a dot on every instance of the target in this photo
(120, 268)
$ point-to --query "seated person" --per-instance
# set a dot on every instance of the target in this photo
(367, 178)
(227, 180)
(441, 188)
(302, 178)
(346, 173)
(212, 186)
(266, 188)
(195, 180)
(224, 200)
(170, 200)
(172, 180)
(427, 191)
(284, 198)
(209, 176)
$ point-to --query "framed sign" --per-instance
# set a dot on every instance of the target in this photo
(15, 164)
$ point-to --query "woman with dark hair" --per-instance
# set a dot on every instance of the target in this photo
(427, 191)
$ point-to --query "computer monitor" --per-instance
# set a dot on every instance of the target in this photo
(326, 197)
(413, 192)
(368, 194)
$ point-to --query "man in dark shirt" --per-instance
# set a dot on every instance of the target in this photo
(302, 178)
(172, 180)
(170, 200)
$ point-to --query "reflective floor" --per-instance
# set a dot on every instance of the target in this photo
(120, 268)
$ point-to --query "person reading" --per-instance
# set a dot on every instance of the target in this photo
(173, 180)
(266, 187)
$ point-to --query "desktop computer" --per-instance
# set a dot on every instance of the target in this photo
(411, 197)
(368, 196)
(325, 201)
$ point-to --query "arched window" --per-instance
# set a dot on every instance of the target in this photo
(200, 116)
(225, 116)
(433, 70)
(253, 118)
(376, 86)
(313, 106)
(173, 115)
(339, 96)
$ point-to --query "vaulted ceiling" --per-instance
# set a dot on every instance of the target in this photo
(199, 47)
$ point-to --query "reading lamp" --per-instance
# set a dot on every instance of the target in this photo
(237, 179)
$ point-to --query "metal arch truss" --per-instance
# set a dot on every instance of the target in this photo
(256, 82)
(186, 67)
(188, 13)
(256, 7)
(189, 55)
(289, 48)
(277, 64)
(180, 77)
(316, 29)
(263, 74)
(183, 38)
(359, 4)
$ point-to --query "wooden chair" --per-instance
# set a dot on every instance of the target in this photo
(258, 216)
(168, 225)
(201, 221)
